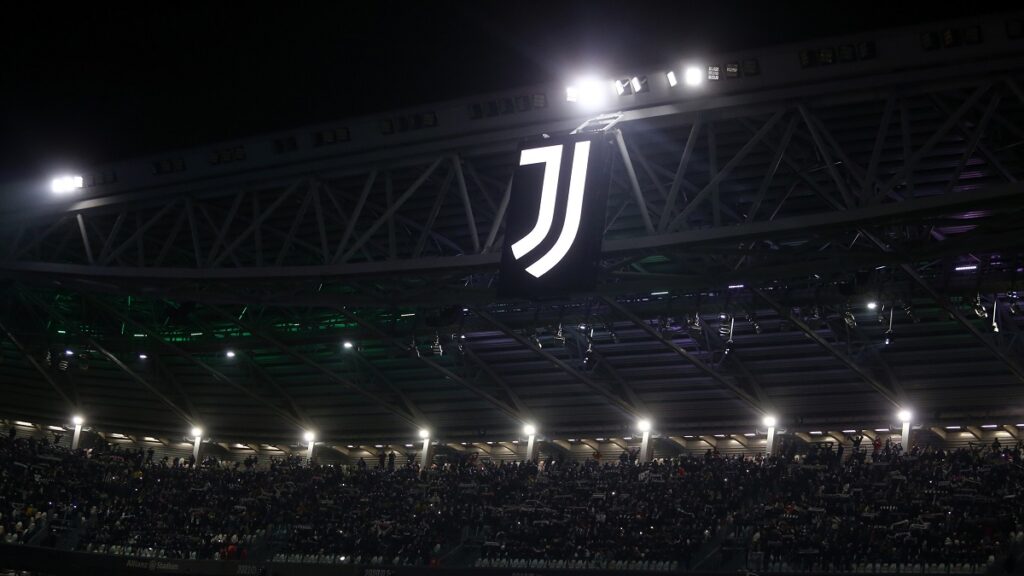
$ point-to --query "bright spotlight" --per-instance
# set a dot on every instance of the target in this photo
(905, 416)
(65, 184)
(78, 420)
(590, 93)
(197, 431)
(872, 305)
(529, 430)
(308, 436)
(424, 433)
(143, 356)
(347, 345)
(69, 353)
(230, 353)
(693, 76)
(644, 425)
(769, 421)
(672, 80)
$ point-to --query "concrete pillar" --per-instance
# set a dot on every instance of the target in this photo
(195, 449)
(645, 447)
(425, 454)
(905, 437)
(309, 452)
(531, 447)
(769, 446)
(76, 437)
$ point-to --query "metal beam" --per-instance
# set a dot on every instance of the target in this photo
(634, 183)
(1008, 194)
(373, 397)
(392, 208)
(515, 413)
(756, 406)
(846, 360)
(680, 219)
(216, 374)
(42, 371)
(52, 312)
(619, 404)
(460, 180)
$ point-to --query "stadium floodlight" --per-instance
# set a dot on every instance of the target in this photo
(308, 436)
(347, 345)
(197, 431)
(65, 184)
(77, 419)
(770, 421)
(230, 353)
(644, 425)
(872, 305)
(529, 430)
(905, 415)
(590, 93)
(69, 353)
(424, 433)
(693, 76)
(143, 356)
(672, 80)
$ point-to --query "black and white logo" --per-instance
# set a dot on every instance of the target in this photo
(555, 217)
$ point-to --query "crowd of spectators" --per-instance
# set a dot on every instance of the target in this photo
(807, 509)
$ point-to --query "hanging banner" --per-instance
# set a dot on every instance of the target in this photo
(556, 216)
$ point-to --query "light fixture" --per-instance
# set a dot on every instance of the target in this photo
(639, 84)
(966, 267)
(69, 353)
(197, 431)
(872, 305)
(143, 357)
(622, 87)
(78, 420)
(643, 425)
(905, 415)
(347, 345)
(529, 430)
(66, 184)
(693, 76)
(672, 80)
(769, 421)
(436, 347)
(979, 307)
(424, 433)
(589, 93)
(230, 353)
(308, 436)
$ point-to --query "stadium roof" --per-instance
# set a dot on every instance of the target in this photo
(766, 208)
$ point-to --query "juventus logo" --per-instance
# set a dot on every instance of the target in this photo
(551, 157)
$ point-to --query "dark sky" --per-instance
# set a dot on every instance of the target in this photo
(93, 83)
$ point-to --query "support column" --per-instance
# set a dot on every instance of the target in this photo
(78, 421)
(425, 455)
(530, 447)
(769, 446)
(905, 417)
(645, 447)
(310, 439)
(195, 449)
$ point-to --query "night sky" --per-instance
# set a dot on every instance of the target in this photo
(94, 83)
